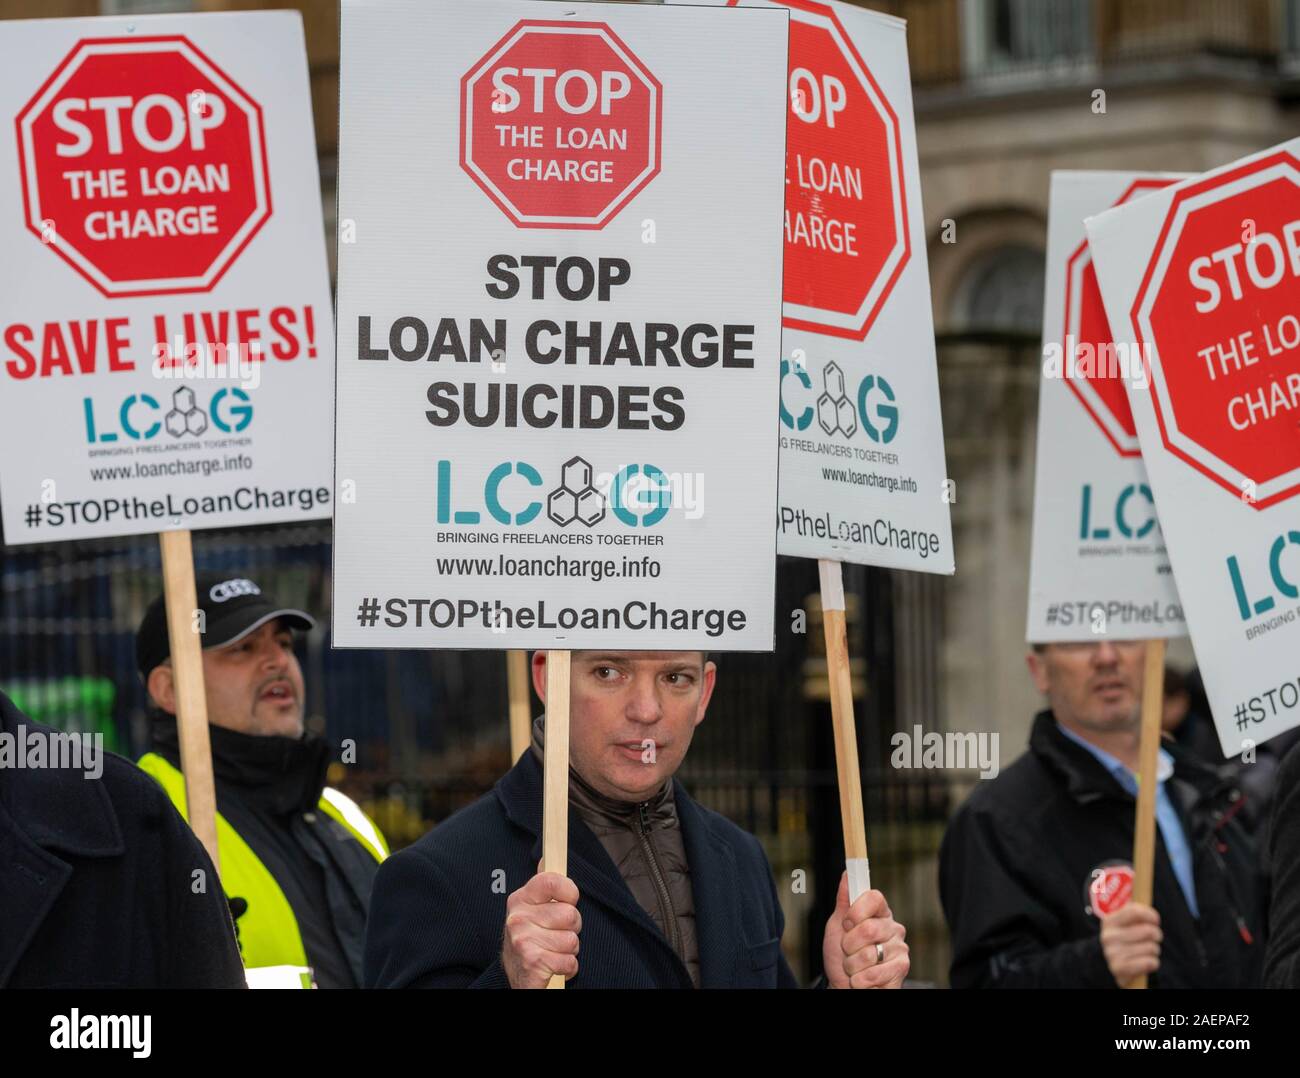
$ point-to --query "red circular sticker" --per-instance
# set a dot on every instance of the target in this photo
(1109, 887)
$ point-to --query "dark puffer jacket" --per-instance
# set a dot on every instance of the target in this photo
(644, 840)
(436, 914)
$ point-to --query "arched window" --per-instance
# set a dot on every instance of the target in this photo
(1001, 292)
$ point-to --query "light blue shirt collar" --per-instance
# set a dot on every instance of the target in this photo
(1125, 777)
(1167, 820)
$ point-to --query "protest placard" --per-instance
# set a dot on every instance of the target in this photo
(166, 332)
(1200, 285)
(559, 323)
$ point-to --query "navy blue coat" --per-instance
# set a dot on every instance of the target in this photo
(436, 917)
(96, 881)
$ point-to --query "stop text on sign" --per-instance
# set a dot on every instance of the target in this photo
(814, 101)
(846, 236)
(144, 166)
(1219, 311)
(1260, 260)
(560, 124)
(179, 123)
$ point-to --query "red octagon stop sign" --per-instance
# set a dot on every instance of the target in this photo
(560, 124)
(846, 238)
(143, 166)
(1100, 390)
(1219, 319)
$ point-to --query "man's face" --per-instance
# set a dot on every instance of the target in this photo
(255, 686)
(632, 715)
(1096, 688)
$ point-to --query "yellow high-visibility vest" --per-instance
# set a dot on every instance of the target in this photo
(268, 930)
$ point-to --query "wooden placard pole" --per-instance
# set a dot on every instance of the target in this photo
(1144, 828)
(520, 712)
(555, 773)
(846, 736)
(191, 703)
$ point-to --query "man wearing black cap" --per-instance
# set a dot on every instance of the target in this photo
(297, 858)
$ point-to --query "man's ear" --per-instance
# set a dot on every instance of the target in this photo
(161, 686)
(539, 675)
(710, 679)
(1037, 670)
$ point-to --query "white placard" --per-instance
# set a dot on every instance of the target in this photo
(558, 173)
(166, 333)
(1202, 279)
(863, 477)
(1099, 567)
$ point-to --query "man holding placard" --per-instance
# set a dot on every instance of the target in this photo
(661, 892)
(298, 858)
(1045, 879)
(1200, 281)
(1036, 868)
(560, 319)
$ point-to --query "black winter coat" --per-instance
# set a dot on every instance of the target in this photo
(1018, 856)
(436, 917)
(1282, 964)
(97, 881)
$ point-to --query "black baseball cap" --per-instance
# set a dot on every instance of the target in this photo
(233, 606)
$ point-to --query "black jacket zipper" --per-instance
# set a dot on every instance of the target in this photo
(656, 874)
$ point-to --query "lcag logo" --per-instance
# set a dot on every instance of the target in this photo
(873, 406)
(1132, 514)
(141, 417)
(1247, 583)
(638, 495)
